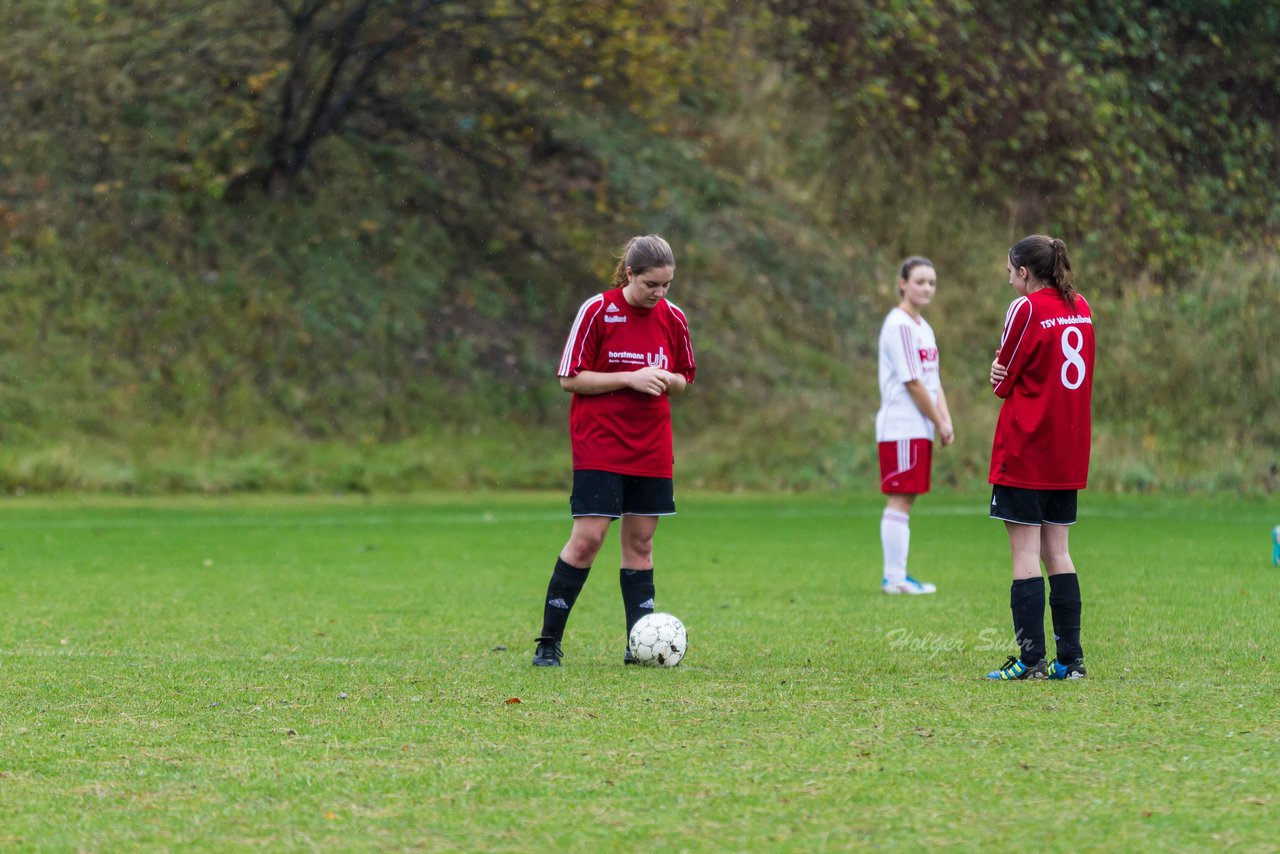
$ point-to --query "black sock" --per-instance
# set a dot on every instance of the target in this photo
(562, 592)
(1026, 600)
(637, 594)
(1064, 603)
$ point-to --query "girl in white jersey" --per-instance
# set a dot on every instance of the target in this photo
(913, 409)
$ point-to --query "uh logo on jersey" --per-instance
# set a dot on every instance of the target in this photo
(631, 357)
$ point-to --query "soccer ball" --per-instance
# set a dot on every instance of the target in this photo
(658, 639)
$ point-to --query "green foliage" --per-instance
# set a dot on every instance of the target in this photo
(178, 289)
(1139, 129)
(1213, 346)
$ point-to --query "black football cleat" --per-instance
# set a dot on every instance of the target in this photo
(548, 653)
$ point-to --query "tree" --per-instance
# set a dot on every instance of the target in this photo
(1147, 129)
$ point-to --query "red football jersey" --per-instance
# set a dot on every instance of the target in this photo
(625, 431)
(1043, 433)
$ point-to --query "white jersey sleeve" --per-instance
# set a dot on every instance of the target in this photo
(908, 351)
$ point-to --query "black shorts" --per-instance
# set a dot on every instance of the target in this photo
(1033, 506)
(604, 493)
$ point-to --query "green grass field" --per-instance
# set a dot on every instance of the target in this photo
(349, 674)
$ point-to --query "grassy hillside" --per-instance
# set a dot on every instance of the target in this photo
(390, 317)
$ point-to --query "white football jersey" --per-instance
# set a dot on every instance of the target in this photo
(908, 351)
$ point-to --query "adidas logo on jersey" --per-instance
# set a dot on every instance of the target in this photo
(611, 309)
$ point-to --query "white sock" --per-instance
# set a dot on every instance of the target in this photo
(895, 537)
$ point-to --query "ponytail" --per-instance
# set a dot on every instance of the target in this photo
(1046, 258)
(1062, 279)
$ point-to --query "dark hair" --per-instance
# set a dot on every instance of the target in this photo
(643, 253)
(913, 262)
(910, 264)
(1046, 258)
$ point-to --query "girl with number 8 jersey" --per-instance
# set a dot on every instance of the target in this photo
(1043, 370)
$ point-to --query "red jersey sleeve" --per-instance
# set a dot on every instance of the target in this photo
(1015, 345)
(582, 348)
(683, 363)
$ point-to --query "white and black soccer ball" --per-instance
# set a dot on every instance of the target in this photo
(658, 639)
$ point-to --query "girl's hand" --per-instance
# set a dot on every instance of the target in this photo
(946, 432)
(998, 371)
(652, 381)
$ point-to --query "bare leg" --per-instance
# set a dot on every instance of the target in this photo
(637, 541)
(902, 503)
(585, 540)
(1024, 546)
(1053, 549)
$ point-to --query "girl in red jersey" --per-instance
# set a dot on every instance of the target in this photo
(627, 353)
(913, 408)
(1040, 456)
